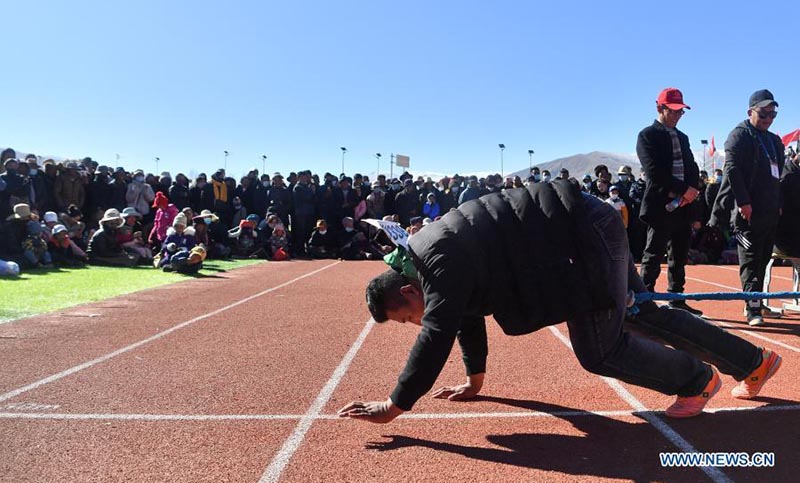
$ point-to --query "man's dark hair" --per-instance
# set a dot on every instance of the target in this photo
(381, 290)
(599, 169)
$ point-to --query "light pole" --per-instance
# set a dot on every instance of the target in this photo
(530, 161)
(502, 148)
(704, 142)
(157, 160)
(226, 161)
(378, 157)
(344, 150)
(263, 164)
(391, 167)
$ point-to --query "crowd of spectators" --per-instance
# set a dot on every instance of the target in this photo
(81, 212)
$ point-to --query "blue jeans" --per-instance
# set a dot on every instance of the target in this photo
(598, 339)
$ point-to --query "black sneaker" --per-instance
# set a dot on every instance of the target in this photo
(681, 304)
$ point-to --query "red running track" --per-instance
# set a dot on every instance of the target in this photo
(238, 378)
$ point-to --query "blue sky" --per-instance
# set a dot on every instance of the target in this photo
(441, 81)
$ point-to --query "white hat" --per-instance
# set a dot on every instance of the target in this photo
(112, 214)
(58, 229)
(50, 217)
(180, 219)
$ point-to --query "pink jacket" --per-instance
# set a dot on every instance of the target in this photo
(162, 222)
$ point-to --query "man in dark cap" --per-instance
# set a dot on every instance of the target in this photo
(754, 159)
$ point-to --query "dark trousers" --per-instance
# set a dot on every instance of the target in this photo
(302, 226)
(753, 260)
(673, 234)
(689, 333)
(598, 339)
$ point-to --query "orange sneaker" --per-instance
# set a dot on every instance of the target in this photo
(752, 384)
(690, 406)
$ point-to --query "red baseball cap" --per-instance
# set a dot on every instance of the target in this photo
(672, 98)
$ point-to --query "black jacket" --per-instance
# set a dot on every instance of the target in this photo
(654, 148)
(524, 255)
(748, 178)
(787, 238)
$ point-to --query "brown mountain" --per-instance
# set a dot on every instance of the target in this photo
(580, 164)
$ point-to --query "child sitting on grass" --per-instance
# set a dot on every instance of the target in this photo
(35, 248)
(64, 251)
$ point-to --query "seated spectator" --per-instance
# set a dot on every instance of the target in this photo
(130, 235)
(180, 239)
(431, 208)
(706, 244)
(103, 247)
(415, 225)
(217, 235)
(279, 244)
(13, 233)
(34, 247)
(353, 244)
(245, 237)
(64, 251)
(618, 204)
(188, 212)
(322, 243)
(165, 214)
(50, 221)
(75, 227)
(8, 268)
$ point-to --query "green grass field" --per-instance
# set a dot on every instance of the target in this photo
(38, 291)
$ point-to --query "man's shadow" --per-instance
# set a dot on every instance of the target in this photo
(609, 448)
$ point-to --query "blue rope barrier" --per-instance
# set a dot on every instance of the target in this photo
(648, 296)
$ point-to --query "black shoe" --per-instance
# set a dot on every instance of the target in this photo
(681, 304)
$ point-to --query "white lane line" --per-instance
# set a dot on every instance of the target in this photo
(86, 365)
(738, 329)
(334, 417)
(714, 473)
(735, 289)
(758, 336)
(731, 269)
(279, 462)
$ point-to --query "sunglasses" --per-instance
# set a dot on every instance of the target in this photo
(767, 115)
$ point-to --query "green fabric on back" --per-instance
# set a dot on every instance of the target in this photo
(400, 260)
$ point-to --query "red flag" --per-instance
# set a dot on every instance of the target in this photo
(791, 137)
(713, 148)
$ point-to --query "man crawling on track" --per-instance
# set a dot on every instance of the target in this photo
(534, 257)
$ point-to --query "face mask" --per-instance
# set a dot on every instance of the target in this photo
(322, 232)
(395, 187)
(454, 189)
(207, 221)
(237, 205)
(614, 197)
(537, 177)
(34, 172)
(587, 184)
(265, 184)
(201, 184)
(547, 179)
(348, 229)
(139, 179)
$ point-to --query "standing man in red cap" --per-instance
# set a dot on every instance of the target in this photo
(672, 180)
(754, 161)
